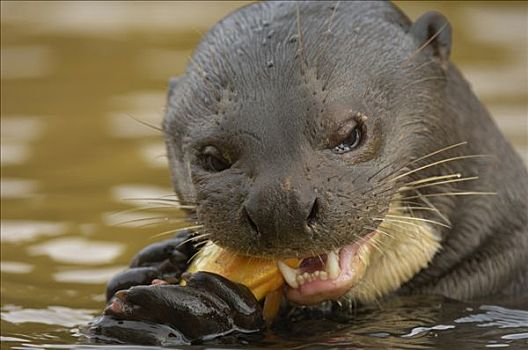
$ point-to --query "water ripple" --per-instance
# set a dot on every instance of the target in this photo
(52, 315)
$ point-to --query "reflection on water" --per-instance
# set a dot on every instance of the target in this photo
(90, 276)
(28, 230)
(17, 134)
(145, 106)
(80, 176)
(496, 316)
(154, 154)
(133, 194)
(15, 267)
(17, 188)
(77, 251)
(52, 315)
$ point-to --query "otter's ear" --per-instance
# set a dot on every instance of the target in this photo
(433, 30)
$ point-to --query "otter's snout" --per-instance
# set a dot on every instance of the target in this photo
(281, 209)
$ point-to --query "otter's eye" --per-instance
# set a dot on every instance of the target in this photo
(352, 141)
(213, 160)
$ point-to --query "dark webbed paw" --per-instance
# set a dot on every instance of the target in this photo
(239, 298)
(208, 306)
(129, 278)
(175, 252)
(165, 260)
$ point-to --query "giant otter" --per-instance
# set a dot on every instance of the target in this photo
(340, 133)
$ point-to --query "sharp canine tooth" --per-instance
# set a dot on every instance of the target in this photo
(289, 274)
(332, 265)
(300, 279)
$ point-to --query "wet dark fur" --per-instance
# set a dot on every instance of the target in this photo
(271, 84)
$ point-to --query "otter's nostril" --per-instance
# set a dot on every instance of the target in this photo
(312, 217)
(250, 221)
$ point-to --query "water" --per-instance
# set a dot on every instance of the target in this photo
(73, 75)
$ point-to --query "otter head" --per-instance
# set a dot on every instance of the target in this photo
(291, 130)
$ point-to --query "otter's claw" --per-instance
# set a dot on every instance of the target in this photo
(208, 306)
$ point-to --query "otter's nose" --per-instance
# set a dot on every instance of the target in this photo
(270, 212)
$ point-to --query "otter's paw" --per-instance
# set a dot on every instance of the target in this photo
(129, 278)
(169, 255)
(165, 260)
(207, 307)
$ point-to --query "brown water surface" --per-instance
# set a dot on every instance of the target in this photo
(74, 74)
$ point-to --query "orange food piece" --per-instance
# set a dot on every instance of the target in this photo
(272, 305)
(260, 275)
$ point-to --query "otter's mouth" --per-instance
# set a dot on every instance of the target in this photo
(327, 276)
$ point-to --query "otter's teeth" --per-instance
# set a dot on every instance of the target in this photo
(300, 279)
(332, 265)
(289, 274)
(295, 278)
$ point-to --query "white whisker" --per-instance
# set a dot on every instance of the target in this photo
(439, 151)
(380, 231)
(437, 163)
(440, 183)
(432, 178)
(417, 219)
(399, 221)
(452, 194)
(177, 230)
